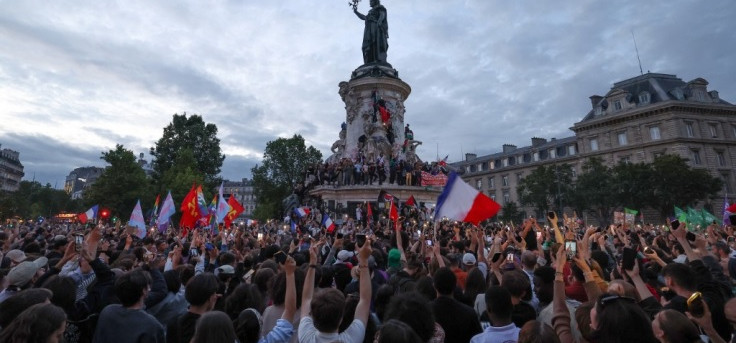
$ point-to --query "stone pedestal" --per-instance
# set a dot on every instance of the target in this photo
(364, 133)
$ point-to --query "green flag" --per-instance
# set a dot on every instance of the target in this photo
(630, 211)
(708, 218)
(694, 218)
(680, 215)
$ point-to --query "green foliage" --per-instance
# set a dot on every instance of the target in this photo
(120, 185)
(668, 181)
(675, 183)
(510, 212)
(33, 200)
(546, 187)
(179, 180)
(594, 190)
(200, 139)
(285, 161)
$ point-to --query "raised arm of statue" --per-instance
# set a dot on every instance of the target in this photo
(360, 15)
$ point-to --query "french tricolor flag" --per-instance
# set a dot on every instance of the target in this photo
(328, 224)
(91, 214)
(460, 201)
(301, 212)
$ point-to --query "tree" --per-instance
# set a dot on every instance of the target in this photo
(32, 200)
(632, 184)
(675, 183)
(594, 191)
(193, 134)
(545, 187)
(510, 212)
(285, 162)
(120, 185)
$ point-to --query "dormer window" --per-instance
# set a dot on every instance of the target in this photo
(617, 105)
(598, 110)
(644, 98)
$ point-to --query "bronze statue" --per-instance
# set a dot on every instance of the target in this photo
(375, 34)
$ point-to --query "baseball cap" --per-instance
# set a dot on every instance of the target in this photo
(16, 255)
(226, 269)
(23, 273)
(343, 255)
(469, 259)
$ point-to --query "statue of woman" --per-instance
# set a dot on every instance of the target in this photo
(375, 35)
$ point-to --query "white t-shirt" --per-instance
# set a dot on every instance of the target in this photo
(309, 334)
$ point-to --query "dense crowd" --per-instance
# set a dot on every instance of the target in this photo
(368, 281)
(366, 171)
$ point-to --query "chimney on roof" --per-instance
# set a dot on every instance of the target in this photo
(508, 148)
(595, 99)
(536, 141)
(469, 156)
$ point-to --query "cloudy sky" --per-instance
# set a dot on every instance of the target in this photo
(77, 77)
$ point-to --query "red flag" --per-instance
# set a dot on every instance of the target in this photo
(189, 209)
(411, 201)
(393, 212)
(369, 212)
(385, 114)
(235, 210)
(731, 209)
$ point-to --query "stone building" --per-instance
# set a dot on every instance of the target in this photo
(11, 170)
(243, 192)
(80, 179)
(637, 120)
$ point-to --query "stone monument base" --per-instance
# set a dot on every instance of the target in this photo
(344, 199)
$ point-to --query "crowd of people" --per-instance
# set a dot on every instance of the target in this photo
(413, 280)
(366, 171)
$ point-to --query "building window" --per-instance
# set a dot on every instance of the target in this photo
(492, 196)
(574, 172)
(598, 110)
(622, 140)
(713, 130)
(491, 182)
(561, 151)
(617, 105)
(654, 133)
(552, 153)
(492, 164)
(625, 159)
(467, 169)
(658, 154)
(696, 156)
(479, 183)
(734, 131)
(571, 150)
(506, 197)
(512, 160)
(644, 98)
(527, 158)
(505, 180)
(518, 177)
(721, 158)
(505, 162)
(594, 144)
(689, 130)
(472, 168)
(536, 154)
